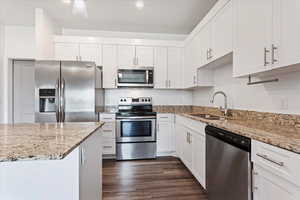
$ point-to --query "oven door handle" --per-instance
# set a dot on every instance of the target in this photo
(138, 117)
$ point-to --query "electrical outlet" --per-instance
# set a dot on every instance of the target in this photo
(284, 105)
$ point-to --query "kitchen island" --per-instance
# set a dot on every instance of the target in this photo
(51, 161)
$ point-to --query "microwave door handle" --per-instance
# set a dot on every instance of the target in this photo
(147, 76)
(57, 100)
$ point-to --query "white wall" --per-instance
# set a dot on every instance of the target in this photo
(280, 97)
(160, 97)
(131, 35)
(19, 43)
(2, 83)
(45, 29)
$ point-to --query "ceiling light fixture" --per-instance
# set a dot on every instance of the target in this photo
(80, 8)
(67, 1)
(139, 4)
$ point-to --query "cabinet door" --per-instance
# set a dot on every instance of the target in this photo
(253, 33)
(145, 56)
(286, 33)
(164, 137)
(222, 32)
(187, 150)
(270, 186)
(161, 67)
(126, 56)
(179, 139)
(175, 68)
(205, 51)
(198, 145)
(91, 168)
(66, 51)
(188, 69)
(109, 66)
(91, 53)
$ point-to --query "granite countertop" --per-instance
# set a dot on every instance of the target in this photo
(285, 137)
(49, 141)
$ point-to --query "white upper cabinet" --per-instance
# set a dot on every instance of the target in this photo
(109, 66)
(79, 52)
(168, 64)
(175, 68)
(144, 56)
(91, 53)
(286, 48)
(205, 50)
(253, 21)
(222, 32)
(189, 71)
(66, 51)
(129, 55)
(126, 56)
(161, 67)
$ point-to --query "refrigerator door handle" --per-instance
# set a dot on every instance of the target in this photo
(63, 103)
(57, 100)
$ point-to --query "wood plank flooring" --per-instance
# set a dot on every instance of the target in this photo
(165, 178)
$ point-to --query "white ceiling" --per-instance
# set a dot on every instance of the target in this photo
(158, 16)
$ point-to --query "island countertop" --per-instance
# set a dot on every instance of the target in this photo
(47, 141)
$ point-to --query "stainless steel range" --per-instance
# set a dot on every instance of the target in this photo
(136, 129)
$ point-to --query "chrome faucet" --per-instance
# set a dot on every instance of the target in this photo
(225, 109)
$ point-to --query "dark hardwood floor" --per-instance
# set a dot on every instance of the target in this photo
(165, 178)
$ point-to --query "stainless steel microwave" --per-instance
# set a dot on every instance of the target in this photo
(138, 77)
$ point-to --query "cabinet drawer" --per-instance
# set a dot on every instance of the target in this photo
(165, 117)
(107, 117)
(108, 133)
(281, 162)
(195, 125)
(109, 146)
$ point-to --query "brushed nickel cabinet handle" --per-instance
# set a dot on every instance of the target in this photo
(265, 157)
(169, 83)
(207, 52)
(265, 56)
(273, 54)
(210, 53)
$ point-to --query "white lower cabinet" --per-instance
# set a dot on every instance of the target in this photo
(78, 176)
(190, 146)
(108, 133)
(165, 134)
(198, 152)
(91, 168)
(276, 173)
(268, 185)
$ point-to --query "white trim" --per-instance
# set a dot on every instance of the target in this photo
(215, 9)
(118, 41)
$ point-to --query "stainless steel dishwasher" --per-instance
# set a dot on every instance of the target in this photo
(228, 165)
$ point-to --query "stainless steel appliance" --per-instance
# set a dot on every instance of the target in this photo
(136, 129)
(228, 165)
(65, 91)
(137, 77)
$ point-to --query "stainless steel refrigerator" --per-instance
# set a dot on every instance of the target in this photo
(65, 91)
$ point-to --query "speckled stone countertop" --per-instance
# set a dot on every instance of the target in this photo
(285, 137)
(42, 141)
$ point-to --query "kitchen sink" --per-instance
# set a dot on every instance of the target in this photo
(207, 116)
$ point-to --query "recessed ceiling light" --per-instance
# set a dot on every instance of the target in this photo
(139, 4)
(67, 1)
